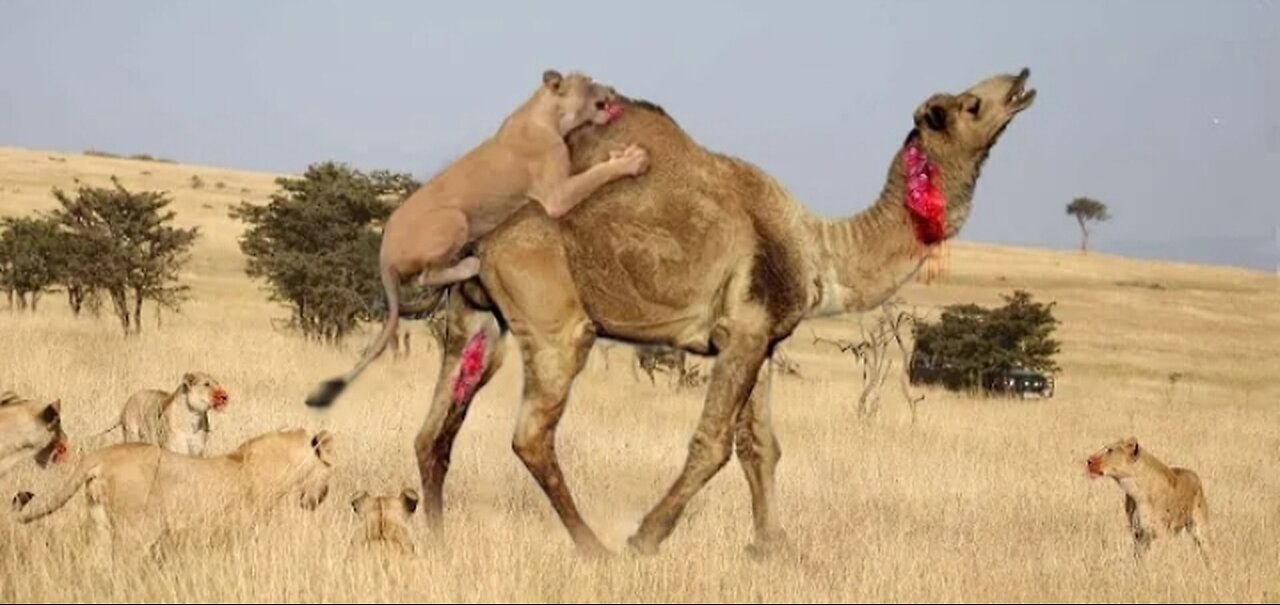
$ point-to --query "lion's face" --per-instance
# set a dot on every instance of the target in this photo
(1117, 460)
(580, 100)
(204, 393)
(396, 508)
(37, 426)
(972, 121)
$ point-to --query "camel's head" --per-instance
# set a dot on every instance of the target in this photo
(1116, 460)
(579, 100)
(203, 392)
(971, 122)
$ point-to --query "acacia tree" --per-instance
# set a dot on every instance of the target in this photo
(123, 244)
(1087, 210)
(315, 244)
(31, 259)
(970, 343)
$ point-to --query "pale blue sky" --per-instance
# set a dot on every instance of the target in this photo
(818, 94)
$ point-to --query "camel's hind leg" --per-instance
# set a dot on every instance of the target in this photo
(742, 350)
(458, 381)
(759, 452)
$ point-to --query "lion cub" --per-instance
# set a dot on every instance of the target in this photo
(1159, 500)
(385, 519)
(177, 421)
(526, 159)
(28, 429)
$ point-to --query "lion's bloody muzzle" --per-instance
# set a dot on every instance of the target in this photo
(59, 452)
(612, 110)
(220, 399)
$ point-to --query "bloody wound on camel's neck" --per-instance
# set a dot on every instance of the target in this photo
(924, 199)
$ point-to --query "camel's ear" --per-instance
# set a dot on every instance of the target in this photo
(409, 497)
(358, 500)
(552, 79)
(933, 113)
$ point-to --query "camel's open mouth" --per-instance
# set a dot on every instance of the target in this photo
(1020, 97)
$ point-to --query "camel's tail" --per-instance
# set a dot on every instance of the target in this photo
(328, 391)
(29, 508)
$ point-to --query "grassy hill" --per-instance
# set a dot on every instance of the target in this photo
(979, 500)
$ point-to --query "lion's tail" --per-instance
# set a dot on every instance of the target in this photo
(115, 425)
(328, 391)
(32, 509)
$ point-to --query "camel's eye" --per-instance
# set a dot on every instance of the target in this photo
(975, 107)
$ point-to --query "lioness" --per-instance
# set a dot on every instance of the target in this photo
(385, 519)
(177, 421)
(1159, 500)
(526, 159)
(149, 490)
(30, 428)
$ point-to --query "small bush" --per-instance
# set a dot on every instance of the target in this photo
(970, 343)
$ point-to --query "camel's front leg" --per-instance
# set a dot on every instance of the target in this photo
(472, 354)
(742, 350)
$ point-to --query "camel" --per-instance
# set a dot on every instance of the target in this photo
(708, 254)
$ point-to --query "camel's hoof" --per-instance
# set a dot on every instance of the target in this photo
(639, 547)
(769, 547)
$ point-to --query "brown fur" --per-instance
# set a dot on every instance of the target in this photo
(1158, 500)
(141, 491)
(527, 159)
(176, 420)
(30, 429)
(709, 254)
(384, 520)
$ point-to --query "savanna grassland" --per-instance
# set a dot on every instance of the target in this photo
(979, 500)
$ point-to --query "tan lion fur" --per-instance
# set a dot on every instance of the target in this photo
(141, 491)
(526, 159)
(384, 520)
(30, 429)
(1158, 500)
(178, 420)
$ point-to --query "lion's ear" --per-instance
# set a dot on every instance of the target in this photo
(357, 501)
(322, 446)
(51, 413)
(552, 79)
(409, 498)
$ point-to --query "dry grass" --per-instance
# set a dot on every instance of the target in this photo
(980, 501)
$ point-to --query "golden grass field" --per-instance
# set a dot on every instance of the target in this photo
(979, 501)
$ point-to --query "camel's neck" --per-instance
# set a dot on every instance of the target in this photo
(866, 258)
